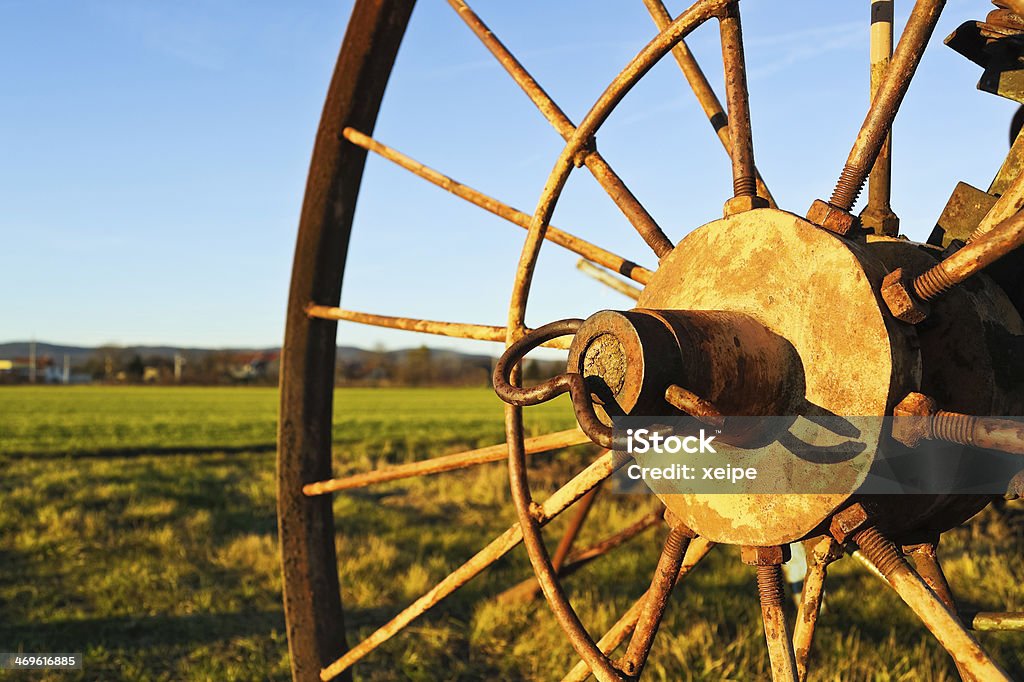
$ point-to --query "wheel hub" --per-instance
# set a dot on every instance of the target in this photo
(737, 315)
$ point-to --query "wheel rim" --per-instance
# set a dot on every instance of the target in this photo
(306, 524)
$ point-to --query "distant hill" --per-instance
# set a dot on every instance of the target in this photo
(20, 349)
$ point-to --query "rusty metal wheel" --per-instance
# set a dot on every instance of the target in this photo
(710, 336)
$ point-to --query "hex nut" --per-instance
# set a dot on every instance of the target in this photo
(897, 292)
(912, 419)
(832, 218)
(765, 556)
(848, 521)
(743, 203)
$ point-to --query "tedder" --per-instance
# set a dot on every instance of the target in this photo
(763, 312)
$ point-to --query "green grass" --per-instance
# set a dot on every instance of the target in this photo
(137, 526)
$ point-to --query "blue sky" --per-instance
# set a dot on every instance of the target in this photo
(154, 155)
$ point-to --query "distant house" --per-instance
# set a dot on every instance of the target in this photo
(254, 366)
(48, 371)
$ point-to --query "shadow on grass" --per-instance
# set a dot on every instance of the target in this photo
(107, 453)
(132, 631)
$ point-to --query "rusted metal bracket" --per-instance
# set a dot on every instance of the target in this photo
(997, 46)
(966, 208)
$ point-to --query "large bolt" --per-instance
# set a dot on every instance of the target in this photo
(770, 585)
(899, 293)
(851, 182)
(934, 282)
(880, 551)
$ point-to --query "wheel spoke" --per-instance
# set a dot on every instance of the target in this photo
(603, 467)
(932, 423)
(780, 646)
(436, 465)
(595, 163)
(819, 555)
(698, 549)
(702, 89)
(697, 14)
(656, 600)
(461, 330)
(968, 261)
(886, 103)
(528, 588)
(987, 621)
(807, 616)
(947, 629)
(568, 241)
(573, 530)
(926, 563)
(738, 99)
(608, 279)
(878, 215)
(580, 558)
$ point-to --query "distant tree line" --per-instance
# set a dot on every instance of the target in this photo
(416, 367)
(426, 367)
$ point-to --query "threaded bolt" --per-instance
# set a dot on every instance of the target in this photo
(954, 427)
(932, 283)
(674, 541)
(879, 550)
(770, 585)
(744, 186)
(848, 188)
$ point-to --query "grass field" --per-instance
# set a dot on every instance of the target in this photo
(137, 526)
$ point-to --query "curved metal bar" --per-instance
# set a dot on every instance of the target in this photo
(560, 500)
(570, 383)
(309, 563)
(611, 640)
(582, 642)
